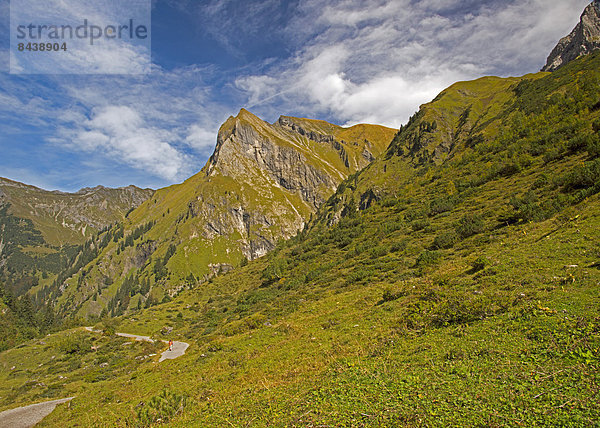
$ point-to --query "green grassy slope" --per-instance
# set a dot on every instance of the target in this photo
(461, 291)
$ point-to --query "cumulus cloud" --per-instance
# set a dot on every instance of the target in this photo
(122, 134)
(81, 55)
(199, 138)
(163, 129)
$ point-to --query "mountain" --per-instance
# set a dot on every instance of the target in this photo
(451, 282)
(584, 39)
(260, 186)
(68, 218)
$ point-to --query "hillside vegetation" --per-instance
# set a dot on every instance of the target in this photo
(43, 236)
(452, 282)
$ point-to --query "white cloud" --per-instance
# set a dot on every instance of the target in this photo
(122, 134)
(378, 61)
(164, 125)
(82, 55)
(200, 138)
(351, 61)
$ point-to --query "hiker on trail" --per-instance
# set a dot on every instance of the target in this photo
(170, 345)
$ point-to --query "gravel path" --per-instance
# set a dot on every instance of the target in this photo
(28, 416)
(179, 348)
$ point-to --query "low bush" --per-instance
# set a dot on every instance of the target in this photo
(359, 274)
(427, 258)
(445, 240)
(469, 225)
(419, 224)
(442, 205)
(586, 176)
(161, 408)
(75, 343)
(479, 264)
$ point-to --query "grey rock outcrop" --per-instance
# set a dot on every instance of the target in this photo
(583, 40)
(293, 165)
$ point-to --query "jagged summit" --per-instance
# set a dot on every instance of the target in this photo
(325, 146)
(584, 39)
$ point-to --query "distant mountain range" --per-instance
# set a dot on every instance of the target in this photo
(261, 185)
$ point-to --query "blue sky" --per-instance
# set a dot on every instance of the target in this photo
(346, 61)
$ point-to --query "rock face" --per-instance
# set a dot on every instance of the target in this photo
(584, 39)
(293, 166)
(278, 175)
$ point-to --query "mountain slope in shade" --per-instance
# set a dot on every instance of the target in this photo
(260, 186)
(584, 39)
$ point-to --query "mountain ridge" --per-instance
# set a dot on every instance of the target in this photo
(454, 290)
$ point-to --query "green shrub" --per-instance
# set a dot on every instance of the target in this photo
(445, 240)
(274, 271)
(459, 310)
(359, 274)
(389, 295)
(419, 224)
(378, 252)
(442, 205)
(586, 176)
(427, 258)
(479, 264)
(469, 225)
(526, 208)
(161, 408)
(75, 343)
(541, 181)
(391, 227)
(399, 246)
(554, 153)
(593, 147)
(581, 142)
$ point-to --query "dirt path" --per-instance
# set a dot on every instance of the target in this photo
(179, 348)
(28, 416)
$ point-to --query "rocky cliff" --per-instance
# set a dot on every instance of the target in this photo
(292, 166)
(584, 39)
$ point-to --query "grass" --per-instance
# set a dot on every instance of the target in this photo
(515, 343)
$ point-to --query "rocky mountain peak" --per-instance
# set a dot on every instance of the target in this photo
(583, 40)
